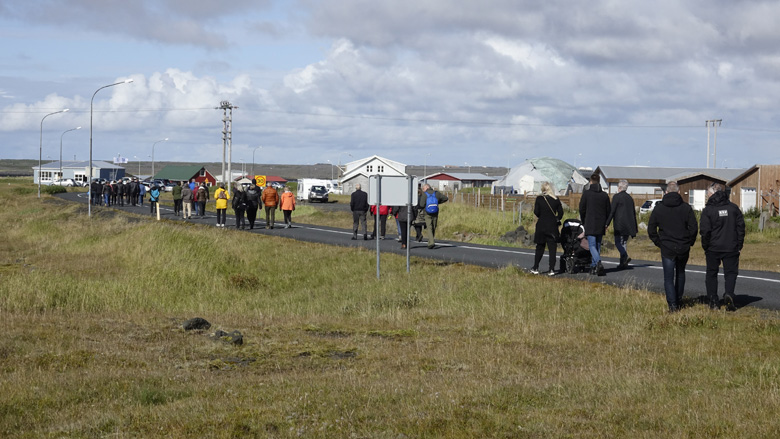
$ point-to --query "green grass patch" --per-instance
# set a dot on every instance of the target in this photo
(93, 345)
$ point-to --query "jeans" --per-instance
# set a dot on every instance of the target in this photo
(594, 242)
(674, 279)
(620, 245)
(730, 272)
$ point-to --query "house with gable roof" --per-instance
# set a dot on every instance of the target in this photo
(358, 171)
(186, 173)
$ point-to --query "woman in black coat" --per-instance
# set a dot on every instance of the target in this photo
(549, 210)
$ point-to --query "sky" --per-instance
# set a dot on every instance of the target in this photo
(468, 83)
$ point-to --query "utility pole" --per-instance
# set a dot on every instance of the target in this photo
(227, 139)
(712, 123)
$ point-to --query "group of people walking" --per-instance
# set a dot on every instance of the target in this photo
(425, 216)
(117, 193)
(672, 227)
(247, 198)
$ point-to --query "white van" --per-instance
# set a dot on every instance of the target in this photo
(648, 206)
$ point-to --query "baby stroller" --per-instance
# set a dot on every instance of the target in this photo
(576, 253)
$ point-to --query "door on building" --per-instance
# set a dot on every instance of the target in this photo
(697, 198)
(748, 198)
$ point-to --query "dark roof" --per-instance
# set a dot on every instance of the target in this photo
(172, 172)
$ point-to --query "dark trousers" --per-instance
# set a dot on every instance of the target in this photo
(152, 204)
(402, 226)
(730, 271)
(221, 215)
(251, 215)
(177, 207)
(552, 246)
(270, 216)
(674, 279)
(240, 221)
(359, 217)
(382, 225)
(287, 217)
(202, 208)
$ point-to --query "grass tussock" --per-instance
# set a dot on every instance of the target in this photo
(94, 348)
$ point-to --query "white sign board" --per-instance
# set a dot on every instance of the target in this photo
(394, 190)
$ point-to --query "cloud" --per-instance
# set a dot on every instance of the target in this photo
(193, 22)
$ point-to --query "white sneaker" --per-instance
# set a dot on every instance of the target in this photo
(534, 271)
(551, 273)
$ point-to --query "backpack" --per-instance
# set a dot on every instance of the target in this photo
(222, 195)
(431, 203)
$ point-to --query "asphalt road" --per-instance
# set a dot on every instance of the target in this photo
(754, 288)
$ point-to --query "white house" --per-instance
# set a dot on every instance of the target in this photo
(77, 170)
(358, 171)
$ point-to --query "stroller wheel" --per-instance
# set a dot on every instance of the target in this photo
(570, 265)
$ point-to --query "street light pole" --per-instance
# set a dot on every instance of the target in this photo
(91, 102)
(40, 151)
(425, 166)
(155, 143)
(66, 131)
(341, 171)
(253, 160)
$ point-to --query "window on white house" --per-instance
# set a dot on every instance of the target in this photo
(46, 175)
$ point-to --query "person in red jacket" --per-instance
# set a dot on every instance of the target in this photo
(383, 212)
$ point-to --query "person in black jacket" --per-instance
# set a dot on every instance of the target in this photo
(722, 237)
(252, 203)
(96, 190)
(594, 210)
(624, 214)
(549, 210)
(239, 206)
(358, 204)
(673, 228)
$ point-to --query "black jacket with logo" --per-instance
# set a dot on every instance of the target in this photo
(672, 226)
(722, 225)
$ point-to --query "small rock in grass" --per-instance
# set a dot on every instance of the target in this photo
(196, 323)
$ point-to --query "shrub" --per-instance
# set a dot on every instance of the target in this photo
(51, 190)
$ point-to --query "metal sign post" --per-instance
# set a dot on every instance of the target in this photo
(392, 191)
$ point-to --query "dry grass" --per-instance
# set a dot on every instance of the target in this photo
(93, 346)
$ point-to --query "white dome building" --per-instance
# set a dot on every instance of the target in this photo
(528, 177)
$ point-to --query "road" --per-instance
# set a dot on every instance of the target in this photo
(754, 288)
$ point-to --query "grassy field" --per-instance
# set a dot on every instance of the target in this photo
(94, 345)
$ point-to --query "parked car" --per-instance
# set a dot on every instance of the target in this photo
(67, 182)
(648, 206)
(318, 193)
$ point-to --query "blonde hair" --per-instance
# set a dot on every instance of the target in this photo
(547, 189)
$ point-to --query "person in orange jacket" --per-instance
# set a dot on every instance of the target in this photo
(288, 205)
(270, 199)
